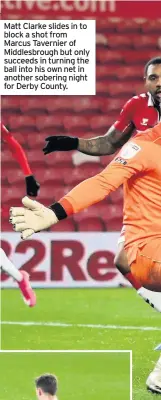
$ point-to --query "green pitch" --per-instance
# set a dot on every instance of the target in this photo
(81, 376)
(93, 319)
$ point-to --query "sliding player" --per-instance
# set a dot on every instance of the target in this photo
(139, 113)
(46, 387)
(137, 166)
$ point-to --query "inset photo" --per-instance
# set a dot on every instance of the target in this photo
(66, 375)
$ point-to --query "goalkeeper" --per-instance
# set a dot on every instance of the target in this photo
(137, 166)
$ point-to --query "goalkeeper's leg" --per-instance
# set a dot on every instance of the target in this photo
(153, 382)
(121, 263)
(21, 277)
(147, 266)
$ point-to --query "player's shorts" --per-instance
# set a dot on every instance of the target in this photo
(146, 266)
(122, 236)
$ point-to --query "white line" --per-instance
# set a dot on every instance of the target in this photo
(131, 376)
(68, 351)
(66, 325)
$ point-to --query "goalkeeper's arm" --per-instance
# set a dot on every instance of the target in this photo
(35, 217)
(92, 190)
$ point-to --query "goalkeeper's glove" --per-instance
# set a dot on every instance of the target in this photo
(33, 217)
(32, 186)
(60, 143)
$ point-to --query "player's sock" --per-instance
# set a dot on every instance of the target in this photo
(153, 298)
(9, 267)
(158, 347)
(132, 280)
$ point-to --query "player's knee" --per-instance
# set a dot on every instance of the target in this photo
(149, 277)
(120, 261)
(119, 264)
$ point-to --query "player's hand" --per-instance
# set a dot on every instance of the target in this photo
(33, 217)
(60, 143)
(32, 186)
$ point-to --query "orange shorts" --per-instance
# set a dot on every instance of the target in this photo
(146, 268)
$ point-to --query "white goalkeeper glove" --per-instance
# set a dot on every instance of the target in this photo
(33, 217)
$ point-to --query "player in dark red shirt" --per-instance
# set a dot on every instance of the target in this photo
(138, 114)
(32, 188)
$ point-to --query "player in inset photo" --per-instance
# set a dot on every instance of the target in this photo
(46, 387)
(65, 375)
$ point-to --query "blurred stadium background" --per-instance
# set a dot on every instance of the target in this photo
(128, 34)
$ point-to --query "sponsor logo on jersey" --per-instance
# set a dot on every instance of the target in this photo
(120, 160)
(144, 121)
(129, 150)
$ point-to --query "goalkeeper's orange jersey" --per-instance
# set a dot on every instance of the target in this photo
(138, 167)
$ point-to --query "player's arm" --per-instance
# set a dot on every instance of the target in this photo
(108, 144)
(95, 189)
(115, 138)
(35, 217)
(32, 186)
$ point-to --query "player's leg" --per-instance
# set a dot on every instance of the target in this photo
(9, 267)
(147, 266)
(154, 379)
(121, 263)
(21, 277)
